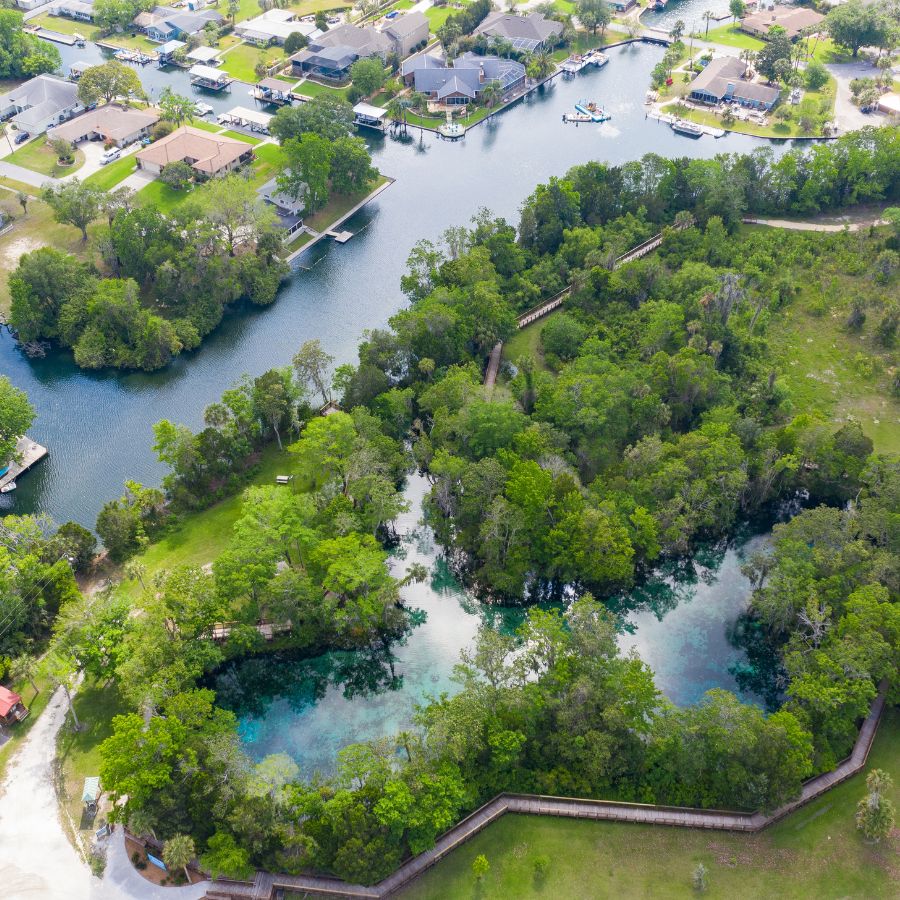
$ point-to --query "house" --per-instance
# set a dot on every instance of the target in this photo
(406, 32)
(793, 19)
(464, 79)
(273, 27)
(12, 709)
(526, 33)
(621, 6)
(208, 154)
(283, 203)
(889, 104)
(722, 82)
(330, 54)
(74, 9)
(111, 123)
(40, 103)
(165, 23)
(29, 4)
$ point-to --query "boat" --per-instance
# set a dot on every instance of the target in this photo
(576, 117)
(691, 129)
(8, 487)
(592, 109)
(203, 109)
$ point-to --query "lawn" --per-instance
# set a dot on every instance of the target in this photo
(39, 157)
(313, 89)
(204, 125)
(160, 195)
(815, 853)
(204, 535)
(63, 25)
(731, 36)
(480, 112)
(249, 9)
(107, 177)
(240, 62)
(339, 205)
(527, 342)
(437, 15)
(78, 754)
(267, 164)
(241, 136)
(301, 240)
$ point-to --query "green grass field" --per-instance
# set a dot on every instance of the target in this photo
(339, 205)
(731, 36)
(204, 535)
(240, 136)
(163, 197)
(39, 157)
(63, 25)
(240, 62)
(267, 164)
(107, 177)
(314, 89)
(816, 853)
(527, 342)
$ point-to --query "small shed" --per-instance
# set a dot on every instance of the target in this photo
(12, 709)
(91, 793)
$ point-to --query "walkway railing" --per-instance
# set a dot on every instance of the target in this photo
(266, 884)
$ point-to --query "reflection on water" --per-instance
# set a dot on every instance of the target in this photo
(680, 622)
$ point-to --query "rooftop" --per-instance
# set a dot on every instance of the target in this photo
(726, 70)
(793, 19)
(523, 32)
(112, 121)
(209, 153)
(8, 699)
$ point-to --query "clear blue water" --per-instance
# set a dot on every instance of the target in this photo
(98, 426)
(679, 622)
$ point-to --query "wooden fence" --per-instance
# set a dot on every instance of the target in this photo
(266, 885)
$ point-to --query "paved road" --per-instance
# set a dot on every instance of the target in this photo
(814, 226)
(19, 173)
(36, 859)
(847, 115)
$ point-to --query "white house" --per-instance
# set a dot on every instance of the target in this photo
(273, 27)
(40, 103)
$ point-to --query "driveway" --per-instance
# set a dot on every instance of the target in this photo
(20, 173)
(846, 114)
(36, 859)
(37, 862)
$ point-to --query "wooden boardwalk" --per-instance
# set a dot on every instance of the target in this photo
(547, 306)
(266, 885)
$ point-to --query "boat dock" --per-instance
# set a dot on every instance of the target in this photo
(575, 63)
(29, 453)
(57, 37)
(668, 119)
(340, 236)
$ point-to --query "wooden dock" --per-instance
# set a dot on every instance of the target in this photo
(29, 453)
(340, 236)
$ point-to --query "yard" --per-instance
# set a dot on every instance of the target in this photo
(815, 853)
(249, 9)
(308, 88)
(433, 121)
(268, 164)
(240, 62)
(437, 15)
(64, 25)
(39, 157)
(107, 177)
(731, 36)
(339, 205)
(160, 195)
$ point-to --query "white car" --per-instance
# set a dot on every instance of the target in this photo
(110, 156)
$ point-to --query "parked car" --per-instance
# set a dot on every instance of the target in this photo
(110, 156)
(21, 137)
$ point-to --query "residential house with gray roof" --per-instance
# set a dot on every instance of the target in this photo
(406, 32)
(461, 82)
(526, 33)
(40, 103)
(330, 54)
(722, 82)
(164, 23)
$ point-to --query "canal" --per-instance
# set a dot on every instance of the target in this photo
(681, 621)
(98, 426)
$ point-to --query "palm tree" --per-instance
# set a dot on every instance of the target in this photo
(677, 30)
(747, 57)
(24, 668)
(178, 851)
(397, 109)
(491, 93)
(708, 15)
(540, 64)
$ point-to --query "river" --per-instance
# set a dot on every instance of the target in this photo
(98, 426)
(680, 622)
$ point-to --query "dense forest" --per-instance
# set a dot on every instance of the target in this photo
(652, 417)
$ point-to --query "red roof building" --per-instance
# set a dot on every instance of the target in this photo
(11, 707)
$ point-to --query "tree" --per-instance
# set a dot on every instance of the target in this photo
(23, 55)
(107, 82)
(747, 57)
(312, 364)
(778, 49)
(875, 812)
(225, 857)
(367, 75)
(327, 117)
(677, 30)
(74, 203)
(480, 866)
(737, 9)
(699, 877)
(176, 108)
(16, 416)
(491, 93)
(23, 199)
(177, 853)
(351, 166)
(294, 41)
(708, 16)
(540, 64)
(854, 25)
(176, 174)
(232, 206)
(234, 7)
(25, 667)
(322, 20)
(308, 163)
(275, 398)
(594, 14)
